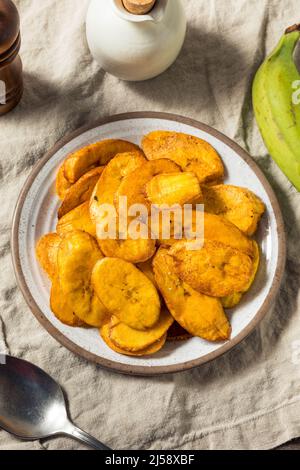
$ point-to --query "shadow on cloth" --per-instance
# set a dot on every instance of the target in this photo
(40, 92)
(206, 58)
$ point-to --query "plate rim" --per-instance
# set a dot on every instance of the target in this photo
(151, 370)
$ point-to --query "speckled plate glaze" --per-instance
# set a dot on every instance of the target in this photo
(36, 212)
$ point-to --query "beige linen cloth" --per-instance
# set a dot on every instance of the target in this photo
(248, 399)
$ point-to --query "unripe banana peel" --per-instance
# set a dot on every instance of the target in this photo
(276, 107)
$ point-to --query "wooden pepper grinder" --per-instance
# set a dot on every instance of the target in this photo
(11, 79)
(139, 7)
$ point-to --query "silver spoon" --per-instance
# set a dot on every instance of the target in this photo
(32, 404)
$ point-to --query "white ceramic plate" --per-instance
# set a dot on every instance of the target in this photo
(35, 216)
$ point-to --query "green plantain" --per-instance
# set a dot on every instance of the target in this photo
(276, 109)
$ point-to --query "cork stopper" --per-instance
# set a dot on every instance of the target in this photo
(139, 7)
(9, 26)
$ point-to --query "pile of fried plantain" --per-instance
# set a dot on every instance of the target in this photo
(141, 292)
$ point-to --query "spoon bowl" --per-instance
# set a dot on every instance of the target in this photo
(32, 404)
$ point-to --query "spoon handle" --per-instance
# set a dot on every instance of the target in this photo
(84, 437)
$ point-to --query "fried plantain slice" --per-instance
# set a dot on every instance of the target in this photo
(181, 188)
(238, 205)
(133, 340)
(189, 152)
(77, 219)
(133, 251)
(46, 252)
(130, 250)
(216, 270)
(198, 314)
(147, 269)
(98, 154)
(116, 170)
(126, 293)
(216, 228)
(62, 184)
(234, 299)
(61, 308)
(80, 191)
(152, 349)
(77, 255)
(133, 186)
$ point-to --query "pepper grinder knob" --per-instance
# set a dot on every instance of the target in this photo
(11, 79)
(139, 7)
